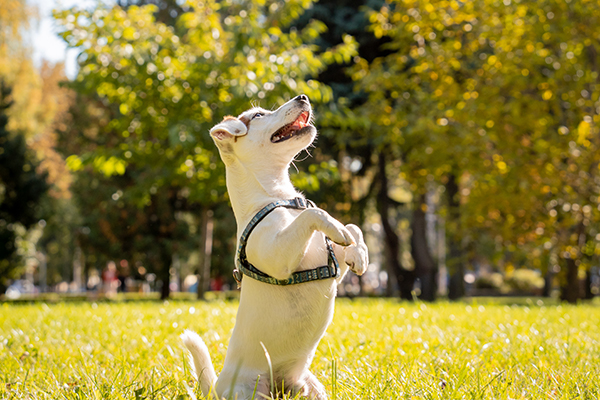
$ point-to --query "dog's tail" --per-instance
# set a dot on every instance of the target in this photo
(200, 361)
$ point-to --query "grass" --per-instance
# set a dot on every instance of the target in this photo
(375, 349)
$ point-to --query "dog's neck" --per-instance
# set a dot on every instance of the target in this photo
(251, 190)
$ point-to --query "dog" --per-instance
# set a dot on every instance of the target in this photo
(278, 326)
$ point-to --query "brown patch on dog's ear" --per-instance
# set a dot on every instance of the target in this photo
(245, 120)
(229, 128)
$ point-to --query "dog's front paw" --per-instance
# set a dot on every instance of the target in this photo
(331, 227)
(356, 256)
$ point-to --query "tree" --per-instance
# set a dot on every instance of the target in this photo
(351, 142)
(21, 190)
(38, 105)
(166, 12)
(161, 91)
(499, 105)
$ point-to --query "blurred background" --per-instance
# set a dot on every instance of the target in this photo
(463, 137)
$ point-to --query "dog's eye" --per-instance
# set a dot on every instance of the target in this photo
(258, 115)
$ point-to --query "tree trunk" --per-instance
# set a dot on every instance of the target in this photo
(425, 268)
(43, 275)
(588, 294)
(206, 240)
(164, 273)
(454, 262)
(570, 291)
(548, 278)
(404, 278)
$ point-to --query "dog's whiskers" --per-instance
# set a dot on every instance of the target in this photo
(308, 155)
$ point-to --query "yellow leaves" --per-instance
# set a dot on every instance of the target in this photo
(274, 30)
(583, 132)
(111, 166)
(129, 33)
(502, 167)
(224, 96)
(108, 166)
(74, 163)
(378, 31)
(547, 95)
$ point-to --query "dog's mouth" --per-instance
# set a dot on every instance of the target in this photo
(296, 128)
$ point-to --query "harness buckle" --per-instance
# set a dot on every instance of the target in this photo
(300, 202)
(237, 275)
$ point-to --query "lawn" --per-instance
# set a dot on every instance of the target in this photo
(375, 349)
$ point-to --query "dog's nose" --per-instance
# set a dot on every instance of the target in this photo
(302, 97)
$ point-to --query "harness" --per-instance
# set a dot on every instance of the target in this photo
(243, 267)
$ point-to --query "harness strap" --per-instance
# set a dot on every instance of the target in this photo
(243, 266)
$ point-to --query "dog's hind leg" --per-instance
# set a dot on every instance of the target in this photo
(310, 388)
(249, 387)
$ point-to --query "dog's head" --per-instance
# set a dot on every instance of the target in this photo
(266, 136)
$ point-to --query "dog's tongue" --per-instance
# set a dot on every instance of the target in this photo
(300, 122)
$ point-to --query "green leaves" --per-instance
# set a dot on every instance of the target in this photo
(164, 87)
(504, 93)
(109, 166)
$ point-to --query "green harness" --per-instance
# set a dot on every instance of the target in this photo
(243, 267)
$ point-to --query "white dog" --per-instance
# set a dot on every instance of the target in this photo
(288, 294)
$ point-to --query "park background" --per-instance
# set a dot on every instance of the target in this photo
(462, 137)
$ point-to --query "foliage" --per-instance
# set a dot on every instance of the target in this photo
(157, 89)
(504, 97)
(38, 107)
(374, 349)
(21, 190)
(163, 90)
(494, 280)
(525, 280)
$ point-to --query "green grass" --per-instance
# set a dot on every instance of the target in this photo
(375, 349)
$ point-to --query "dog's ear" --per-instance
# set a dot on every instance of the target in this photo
(229, 128)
